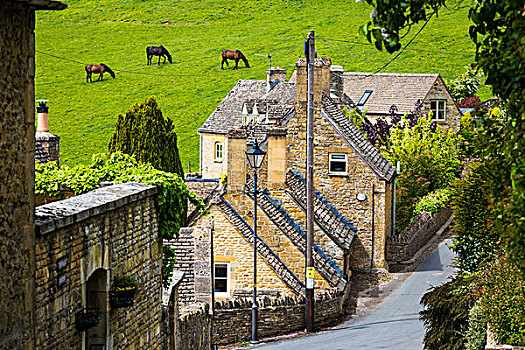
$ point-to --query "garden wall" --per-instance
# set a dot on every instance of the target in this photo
(193, 327)
(419, 232)
(81, 244)
(277, 316)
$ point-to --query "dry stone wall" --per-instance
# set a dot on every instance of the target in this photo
(193, 327)
(17, 119)
(110, 231)
(277, 316)
(419, 232)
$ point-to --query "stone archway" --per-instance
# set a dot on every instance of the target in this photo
(97, 298)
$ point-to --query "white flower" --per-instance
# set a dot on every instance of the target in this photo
(373, 14)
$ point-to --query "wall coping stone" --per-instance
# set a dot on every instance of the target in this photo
(53, 216)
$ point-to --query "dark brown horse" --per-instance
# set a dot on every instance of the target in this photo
(98, 68)
(157, 51)
(233, 55)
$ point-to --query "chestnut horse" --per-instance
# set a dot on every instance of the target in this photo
(157, 51)
(98, 68)
(233, 55)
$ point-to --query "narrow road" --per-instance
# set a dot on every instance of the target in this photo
(394, 324)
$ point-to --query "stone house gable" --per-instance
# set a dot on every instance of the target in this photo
(353, 208)
(402, 90)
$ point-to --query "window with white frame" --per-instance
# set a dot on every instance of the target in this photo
(438, 108)
(218, 151)
(221, 281)
(337, 164)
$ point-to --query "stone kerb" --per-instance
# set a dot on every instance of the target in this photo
(419, 232)
(277, 316)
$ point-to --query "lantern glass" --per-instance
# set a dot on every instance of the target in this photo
(255, 156)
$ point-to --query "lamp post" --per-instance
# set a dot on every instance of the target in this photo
(255, 158)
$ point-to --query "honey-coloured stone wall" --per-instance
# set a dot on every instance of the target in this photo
(17, 162)
(82, 243)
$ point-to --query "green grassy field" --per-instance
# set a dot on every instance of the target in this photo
(195, 32)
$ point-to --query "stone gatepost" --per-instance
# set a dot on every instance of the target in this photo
(49, 142)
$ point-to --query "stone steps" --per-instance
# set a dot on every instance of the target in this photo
(287, 276)
(326, 216)
(280, 217)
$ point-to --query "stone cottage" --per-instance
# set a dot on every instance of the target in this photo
(377, 93)
(353, 189)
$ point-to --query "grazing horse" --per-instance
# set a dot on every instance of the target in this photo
(233, 55)
(157, 51)
(98, 68)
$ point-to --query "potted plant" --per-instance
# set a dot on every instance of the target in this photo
(123, 292)
(87, 318)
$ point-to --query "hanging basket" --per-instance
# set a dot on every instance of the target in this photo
(87, 318)
(122, 297)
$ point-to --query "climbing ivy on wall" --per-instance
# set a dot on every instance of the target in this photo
(119, 167)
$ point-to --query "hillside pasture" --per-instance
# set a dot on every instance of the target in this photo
(117, 32)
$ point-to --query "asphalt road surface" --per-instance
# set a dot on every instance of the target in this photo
(394, 324)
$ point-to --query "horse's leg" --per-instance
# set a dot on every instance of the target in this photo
(100, 78)
(236, 63)
(158, 63)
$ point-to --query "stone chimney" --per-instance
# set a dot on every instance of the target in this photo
(272, 75)
(43, 138)
(237, 159)
(276, 156)
(336, 82)
(321, 79)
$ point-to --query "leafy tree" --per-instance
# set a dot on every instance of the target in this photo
(145, 133)
(476, 237)
(497, 30)
(465, 86)
(446, 314)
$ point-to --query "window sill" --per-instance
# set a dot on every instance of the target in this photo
(217, 160)
(338, 174)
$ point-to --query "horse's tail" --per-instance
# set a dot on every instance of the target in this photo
(244, 59)
(147, 50)
(86, 68)
(108, 70)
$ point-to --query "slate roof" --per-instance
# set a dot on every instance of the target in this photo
(402, 90)
(356, 140)
(229, 113)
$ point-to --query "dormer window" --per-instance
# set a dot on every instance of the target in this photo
(438, 108)
(337, 164)
(218, 151)
(364, 98)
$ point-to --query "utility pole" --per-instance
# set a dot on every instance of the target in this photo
(310, 58)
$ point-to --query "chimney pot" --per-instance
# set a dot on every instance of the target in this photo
(42, 114)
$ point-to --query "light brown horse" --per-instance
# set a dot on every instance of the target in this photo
(233, 55)
(98, 68)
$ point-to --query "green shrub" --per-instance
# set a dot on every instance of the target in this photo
(434, 201)
(477, 330)
(429, 160)
(502, 300)
(145, 133)
(476, 238)
(446, 314)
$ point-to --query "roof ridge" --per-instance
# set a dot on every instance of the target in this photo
(394, 74)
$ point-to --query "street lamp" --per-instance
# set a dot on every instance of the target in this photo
(255, 158)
